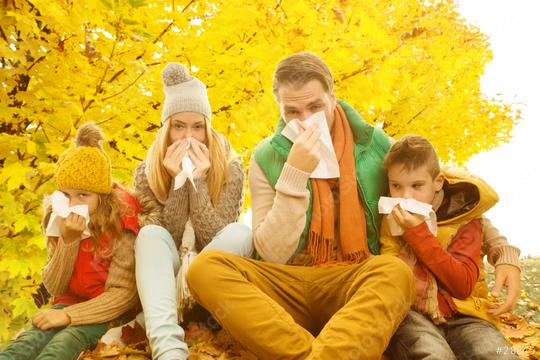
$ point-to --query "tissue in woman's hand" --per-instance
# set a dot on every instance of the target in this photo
(328, 167)
(61, 210)
(186, 172)
(386, 204)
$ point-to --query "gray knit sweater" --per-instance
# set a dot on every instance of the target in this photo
(186, 202)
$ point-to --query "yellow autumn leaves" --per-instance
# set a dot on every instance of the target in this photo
(408, 66)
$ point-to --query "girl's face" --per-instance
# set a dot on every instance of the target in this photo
(187, 124)
(82, 197)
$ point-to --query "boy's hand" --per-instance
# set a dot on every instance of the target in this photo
(305, 153)
(406, 219)
(51, 318)
(505, 276)
(72, 228)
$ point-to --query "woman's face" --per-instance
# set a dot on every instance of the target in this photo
(187, 124)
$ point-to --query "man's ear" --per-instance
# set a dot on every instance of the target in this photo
(439, 181)
(333, 100)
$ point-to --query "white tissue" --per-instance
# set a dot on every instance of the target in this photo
(61, 210)
(386, 204)
(328, 166)
(186, 172)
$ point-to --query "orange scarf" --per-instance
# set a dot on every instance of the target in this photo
(353, 246)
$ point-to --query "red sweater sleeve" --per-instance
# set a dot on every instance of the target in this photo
(456, 268)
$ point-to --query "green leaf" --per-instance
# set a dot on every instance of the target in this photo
(130, 22)
(23, 306)
(137, 3)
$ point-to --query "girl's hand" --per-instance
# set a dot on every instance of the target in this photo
(72, 228)
(405, 219)
(200, 156)
(51, 318)
(173, 157)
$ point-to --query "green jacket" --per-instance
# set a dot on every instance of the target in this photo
(371, 145)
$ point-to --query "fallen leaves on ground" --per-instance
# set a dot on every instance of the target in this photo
(204, 344)
(524, 336)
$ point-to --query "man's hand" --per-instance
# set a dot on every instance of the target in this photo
(505, 276)
(51, 318)
(406, 219)
(72, 228)
(174, 155)
(305, 153)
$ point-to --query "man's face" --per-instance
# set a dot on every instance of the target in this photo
(301, 101)
(415, 184)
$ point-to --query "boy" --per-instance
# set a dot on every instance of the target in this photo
(449, 317)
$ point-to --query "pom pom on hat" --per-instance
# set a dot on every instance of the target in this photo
(86, 166)
(183, 93)
(89, 135)
(174, 74)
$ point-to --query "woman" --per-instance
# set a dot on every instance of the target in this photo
(211, 203)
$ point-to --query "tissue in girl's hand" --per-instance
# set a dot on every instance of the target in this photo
(61, 210)
(186, 172)
(386, 204)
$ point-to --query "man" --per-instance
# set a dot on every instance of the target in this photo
(319, 294)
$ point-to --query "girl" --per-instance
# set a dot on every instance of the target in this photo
(212, 203)
(92, 278)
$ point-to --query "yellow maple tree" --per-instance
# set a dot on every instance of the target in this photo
(408, 66)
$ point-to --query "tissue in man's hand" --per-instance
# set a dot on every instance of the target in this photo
(186, 172)
(386, 204)
(328, 167)
(61, 210)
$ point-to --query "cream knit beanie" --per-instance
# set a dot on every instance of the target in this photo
(183, 92)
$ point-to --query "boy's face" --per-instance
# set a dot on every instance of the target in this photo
(415, 184)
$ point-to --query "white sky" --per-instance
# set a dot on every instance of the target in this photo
(513, 169)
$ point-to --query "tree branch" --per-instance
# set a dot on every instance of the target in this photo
(124, 89)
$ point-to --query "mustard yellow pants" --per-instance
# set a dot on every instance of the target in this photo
(296, 312)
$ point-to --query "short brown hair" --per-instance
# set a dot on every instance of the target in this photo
(412, 152)
(300, 69)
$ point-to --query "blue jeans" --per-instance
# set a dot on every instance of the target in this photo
(58, 343)
(461, 337)
(157, 263)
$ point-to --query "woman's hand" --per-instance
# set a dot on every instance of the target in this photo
(174, 155)
(51, 318)
(72, 228)
(200, 156)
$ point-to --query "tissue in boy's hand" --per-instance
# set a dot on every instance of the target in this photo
(386, 204)
(61, 210)
(186, 172)
(328, 166)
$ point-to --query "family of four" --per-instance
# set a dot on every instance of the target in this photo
(320, 275)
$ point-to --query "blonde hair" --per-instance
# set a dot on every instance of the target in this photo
(413, 152)
(160, 180)
(105, 221)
